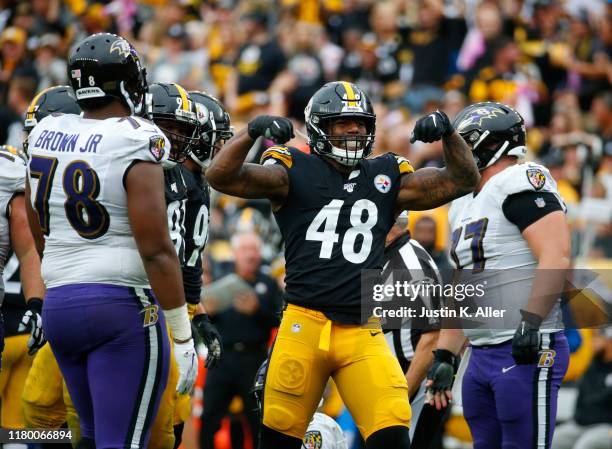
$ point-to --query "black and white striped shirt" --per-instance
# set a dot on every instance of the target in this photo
(406, 260)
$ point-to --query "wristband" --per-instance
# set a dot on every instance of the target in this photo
(178, 320)
(35, 304)
(445, 356)
(532, 319)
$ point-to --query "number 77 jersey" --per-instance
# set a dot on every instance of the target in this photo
(334, 225)
(77, 172)
(484, 233)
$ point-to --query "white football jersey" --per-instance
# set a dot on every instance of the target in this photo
(77, 172)
(12, 181)
(484, 239)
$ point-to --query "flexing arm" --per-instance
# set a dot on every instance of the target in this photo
(229, 174)
(428, 188)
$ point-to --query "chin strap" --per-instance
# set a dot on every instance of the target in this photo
(128, 100)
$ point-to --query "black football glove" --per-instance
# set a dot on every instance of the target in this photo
(526, 340)
(32, 321)
(211, 337)
(432, 127)
(279, 129)
(442, 371)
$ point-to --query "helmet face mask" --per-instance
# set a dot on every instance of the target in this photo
(169, 106)
(182, 137)
(215, 128)
(340, 105)
(492, 130)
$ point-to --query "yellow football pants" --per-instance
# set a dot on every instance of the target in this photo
(47, 405)
(42, 397)
(174, 408)
(309, 349)
(15, 366)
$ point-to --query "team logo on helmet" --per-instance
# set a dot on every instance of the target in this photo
(382, 183)
(536, 178)
(121, 46)
(313, 440)
(478, 115)
(203, 114)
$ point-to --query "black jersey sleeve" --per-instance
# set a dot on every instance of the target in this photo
(525, 208)
(192, 282)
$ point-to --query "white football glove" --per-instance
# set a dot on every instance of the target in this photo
(32, 320)
(187, 361)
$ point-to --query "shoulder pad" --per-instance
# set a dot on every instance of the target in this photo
(528, 176)
(12, 154)
(404, 164)
(278, 153)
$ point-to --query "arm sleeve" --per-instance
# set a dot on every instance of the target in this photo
(525, 208)
(192, 282)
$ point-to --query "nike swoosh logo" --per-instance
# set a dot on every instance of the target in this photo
(505, 370)
(374, 333)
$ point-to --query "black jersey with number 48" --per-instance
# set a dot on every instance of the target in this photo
(334, 225)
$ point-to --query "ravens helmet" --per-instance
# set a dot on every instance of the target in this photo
(215, 127)
(48, 101)
(171, 108)
(492, 130)
(104, 66)
(333, 101)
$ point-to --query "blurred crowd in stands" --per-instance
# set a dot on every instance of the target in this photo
(550, 59)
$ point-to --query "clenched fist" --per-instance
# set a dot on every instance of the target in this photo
(432, 127)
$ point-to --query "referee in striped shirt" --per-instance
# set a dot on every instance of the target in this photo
(405, 260)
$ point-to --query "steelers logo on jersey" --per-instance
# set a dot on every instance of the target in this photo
(382, 183)
(313, 440)
(536, 178)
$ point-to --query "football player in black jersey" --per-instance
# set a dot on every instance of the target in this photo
(215, 129)
(169, 106)
(181, 118)
(334, 208)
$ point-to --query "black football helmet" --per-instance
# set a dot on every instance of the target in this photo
(48, 101)
(106, 65)
(215, 127)
(171, 108)
(340, 99)
(492, 130)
